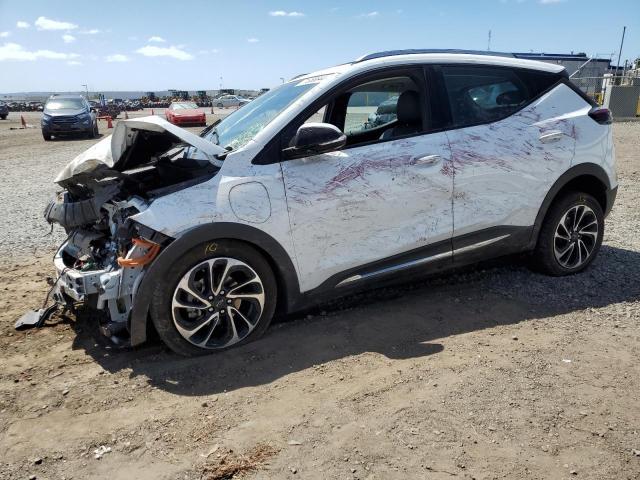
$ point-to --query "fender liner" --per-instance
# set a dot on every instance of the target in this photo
(275, 254)
(582, 169)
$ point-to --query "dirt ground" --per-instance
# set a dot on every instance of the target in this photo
(493, 372)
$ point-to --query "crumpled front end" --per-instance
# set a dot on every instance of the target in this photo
(103, 259)
(106, 253)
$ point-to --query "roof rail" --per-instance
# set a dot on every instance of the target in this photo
(298, 76)
(391, 53)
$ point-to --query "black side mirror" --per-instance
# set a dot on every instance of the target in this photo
(313, 139)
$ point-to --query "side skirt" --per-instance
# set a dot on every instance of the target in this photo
(417, 264)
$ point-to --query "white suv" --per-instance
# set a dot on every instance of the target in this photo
(230, 101)
(298, 197)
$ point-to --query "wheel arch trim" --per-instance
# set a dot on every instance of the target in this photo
(274, 252)
(580, 170)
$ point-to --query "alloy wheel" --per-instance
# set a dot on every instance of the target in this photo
(218, 303)
(575, 237)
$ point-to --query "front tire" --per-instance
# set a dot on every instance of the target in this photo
(571, 235)
(217, 295)
(46, 136)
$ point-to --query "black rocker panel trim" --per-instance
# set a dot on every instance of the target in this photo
(515, 240)
(490, 243)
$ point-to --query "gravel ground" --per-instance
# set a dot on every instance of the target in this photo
(492, 372)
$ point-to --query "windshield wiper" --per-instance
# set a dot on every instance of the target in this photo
(222, 156)
(208, 129)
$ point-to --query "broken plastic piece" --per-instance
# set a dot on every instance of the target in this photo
(154, 248)
(35, 319)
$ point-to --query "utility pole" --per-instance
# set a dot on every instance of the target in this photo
(489, 42)
(624, 29)
(87, 90)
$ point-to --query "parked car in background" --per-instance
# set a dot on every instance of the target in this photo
(35, 106)
(230, 101)
(132, 105)
(206, 237)
(22, 106)
(68, 115)
(110, 109)
(185, 113)
(4, 110)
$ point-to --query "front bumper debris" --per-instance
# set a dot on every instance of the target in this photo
(35, 318)
(110, 289)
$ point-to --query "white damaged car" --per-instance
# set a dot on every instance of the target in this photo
(296, 198)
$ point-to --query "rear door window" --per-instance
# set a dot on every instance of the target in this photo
(479, 94)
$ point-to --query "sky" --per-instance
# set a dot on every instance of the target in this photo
(201, 45)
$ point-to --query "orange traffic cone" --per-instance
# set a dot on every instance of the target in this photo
(22, 122)
(126, 115)
(109, 124)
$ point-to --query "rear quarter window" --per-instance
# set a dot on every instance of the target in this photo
(538, 82)
(482, 94)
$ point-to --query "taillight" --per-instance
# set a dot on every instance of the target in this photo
(601, 115)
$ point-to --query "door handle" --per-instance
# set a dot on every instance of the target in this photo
(426, 160)
(553, 136)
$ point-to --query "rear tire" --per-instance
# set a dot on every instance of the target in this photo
(220, 105)
(3, 117)
(234, 298)
(571, 235)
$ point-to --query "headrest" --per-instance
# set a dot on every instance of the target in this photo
(408, 110)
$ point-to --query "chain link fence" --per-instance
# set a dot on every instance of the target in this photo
(620, 94)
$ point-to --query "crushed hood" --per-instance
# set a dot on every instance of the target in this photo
(108, 151)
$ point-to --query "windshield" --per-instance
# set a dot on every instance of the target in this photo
(237, 129)
(183, 105)
(64, 103)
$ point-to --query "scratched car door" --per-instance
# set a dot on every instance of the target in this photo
(505, 164)
(366, 203)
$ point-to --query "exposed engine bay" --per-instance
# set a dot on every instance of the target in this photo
(104, 256)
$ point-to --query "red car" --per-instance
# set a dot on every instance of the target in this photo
(185, 113)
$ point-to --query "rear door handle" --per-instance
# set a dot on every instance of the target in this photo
(553, 136)
(427, 160)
